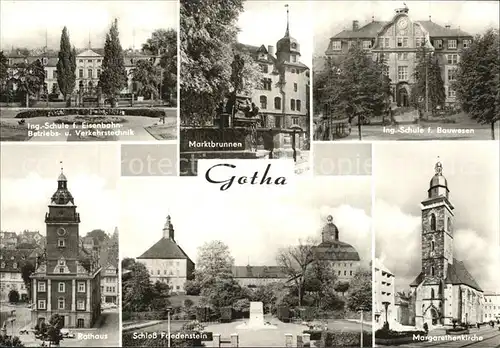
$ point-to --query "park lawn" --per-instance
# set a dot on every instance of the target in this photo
(11, 132)
(167, 131)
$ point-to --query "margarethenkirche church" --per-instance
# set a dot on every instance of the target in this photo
(444, 291)
(399, 40)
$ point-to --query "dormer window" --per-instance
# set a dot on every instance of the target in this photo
(466, 43)
(452, 44)
(336, 45)
(45, 61)
(294, 45)
(61, 243)
(14, 265)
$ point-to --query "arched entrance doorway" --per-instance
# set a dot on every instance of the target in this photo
(403, 95)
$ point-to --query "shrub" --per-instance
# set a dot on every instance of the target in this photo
(13, 296)
(226, 313)
(188, 303)
(146, 112)
(345, 339)
(315, 334)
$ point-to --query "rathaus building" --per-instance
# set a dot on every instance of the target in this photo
(398, 40)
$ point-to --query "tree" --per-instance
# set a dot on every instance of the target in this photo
(161, 289)
(10, 341)
(222, 293)
(359, 296)
(113, 76)
(428, 74)
(478, 79)
(29, 78)
(214, 263)
(54, 329)
(27, 270)
(341, 287)
(148, 76)
(294, 261)
(66, 66)
(128, 263)
(98, 236)
(137, 290)
(13, 296)
(192, 287)
(208, 31)
(4, 76)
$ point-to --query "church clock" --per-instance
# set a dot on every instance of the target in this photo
(403, 23)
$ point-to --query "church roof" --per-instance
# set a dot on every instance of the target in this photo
(258, 272)
(165, 249)
(457, 275)
(336, 251)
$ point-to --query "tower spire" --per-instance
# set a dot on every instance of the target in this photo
(438, 167)
(46, 39)
(90, 44)
(61, 163)
(287, 32)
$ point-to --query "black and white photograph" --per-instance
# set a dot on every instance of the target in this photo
(59, 246)
(245, 81)
(270, 268)
(437, 244)
(88, 70)
(420, 70)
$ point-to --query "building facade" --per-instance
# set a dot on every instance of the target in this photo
(343, 257)
(109, 284)
(444, 291)
(88, 67)
(491, 309)
(67, 280)
(167, 262)
(399, 40)
(8, 240)
(383, 294)
(254, 276)
(11, 262)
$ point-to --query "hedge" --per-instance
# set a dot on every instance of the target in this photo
(226, 314)
(386, 334)
(146, 112)
(345, 339)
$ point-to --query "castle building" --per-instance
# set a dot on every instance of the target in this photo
(67, 280)
(88, 67)
(342, 256)
(283, 95)
(167, 262)
(383, 294)
(399, 40)
(254, 276)
(444, 291)
(491, 309)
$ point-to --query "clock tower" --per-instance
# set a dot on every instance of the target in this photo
(437, 230)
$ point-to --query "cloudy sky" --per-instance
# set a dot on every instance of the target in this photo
(331, 17)
(402, 174)
(29, 178)
(254, 225)
(24, 23)
(264, 23)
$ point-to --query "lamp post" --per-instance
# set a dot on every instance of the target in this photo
(169, 309)
(386, 305)
(361, 337)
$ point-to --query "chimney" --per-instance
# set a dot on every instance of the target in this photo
(168, 230)
(355, 25)
(447, 26)
(270, 50)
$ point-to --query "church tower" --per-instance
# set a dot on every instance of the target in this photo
(437, 229)
(62, 223)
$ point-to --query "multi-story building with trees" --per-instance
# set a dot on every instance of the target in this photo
(491, 309)
(67, 280)
(166, 262)
(383, 294)
(399, 42)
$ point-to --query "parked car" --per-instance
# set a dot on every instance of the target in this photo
(67, 334)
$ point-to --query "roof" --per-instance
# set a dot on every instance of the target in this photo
(9, 257)
(457, 275)
(165, 249)
(380, 266)
(258, 272)
(254, 51)
(371, 30)
(336, 251)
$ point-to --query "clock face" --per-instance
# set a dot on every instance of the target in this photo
(61, 231)
(403, 23)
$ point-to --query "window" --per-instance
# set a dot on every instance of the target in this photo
(61, 243)
(387, 44)
(14, 265)
(80, 61)
(433, 245)
(90, 73)
(81, 286)
(158, 272)
(61, 269)
(400, 42)
(46, 73)
(405, 42)
(266, 84)
(452, 74)
(449, 224)
(350, 272)
(277, 103)
(90, 60)
(294, 58)
(295, 120)
(41, 304)
(367, 44)
(80, 73)
(60, 303)
(438, 44)
(295, 87)
(432, 271)
(263, 102)
(452, 58)
(292, 104)
(433, 222)
(264, 68)
(419, 42)
(298, 105)
(61, 287)
(452, 44)
(98, 73)
(278, 121)
(403, 56)
(467, 43)
(336, 45)
(403, 73)
(345, 273)
(339, 272)
(80, 305)
(2, 265)
(451, 92)
(41, 286)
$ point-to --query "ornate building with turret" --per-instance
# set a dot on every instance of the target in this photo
(444, 291)
(399, 41)
(67, 281)
(166, 262)
(283, 95)
(343, 257)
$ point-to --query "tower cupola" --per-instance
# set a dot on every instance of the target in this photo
(288, 48)
(438, 185)
(168, 229)
(62, 196)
